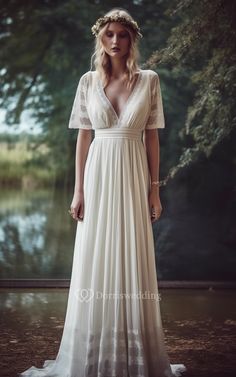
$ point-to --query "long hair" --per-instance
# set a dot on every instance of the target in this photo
(102, 61)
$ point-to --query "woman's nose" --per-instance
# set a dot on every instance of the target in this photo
(115, 38)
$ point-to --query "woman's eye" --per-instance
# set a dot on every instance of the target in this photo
(121, 35)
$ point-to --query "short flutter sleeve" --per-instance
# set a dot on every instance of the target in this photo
(156, 117)
(79, 117)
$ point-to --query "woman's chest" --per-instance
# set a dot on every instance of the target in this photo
(115, 106)
(118, 94)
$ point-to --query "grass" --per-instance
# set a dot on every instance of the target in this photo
(21, 165)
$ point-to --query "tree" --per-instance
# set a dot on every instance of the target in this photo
(203, 43)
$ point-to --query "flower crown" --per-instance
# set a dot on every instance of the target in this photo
(115, 18)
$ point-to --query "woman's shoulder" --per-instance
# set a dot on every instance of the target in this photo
(86, 75)
(89, 76)
(85, 78)
(146, 71)
(149, 72)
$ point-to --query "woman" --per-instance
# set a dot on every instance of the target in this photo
(113, 325)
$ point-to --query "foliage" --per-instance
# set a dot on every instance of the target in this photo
(23, 159)
(45, 46)
(204, 42)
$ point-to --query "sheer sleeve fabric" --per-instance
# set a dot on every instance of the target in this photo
(79, 117)
(156, 117)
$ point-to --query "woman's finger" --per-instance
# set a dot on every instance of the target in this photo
(80, 213)
(155, 213)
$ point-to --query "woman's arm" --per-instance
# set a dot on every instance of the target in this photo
(152, 146)
(82, 146)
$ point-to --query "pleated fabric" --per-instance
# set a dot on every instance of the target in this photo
(113, 324)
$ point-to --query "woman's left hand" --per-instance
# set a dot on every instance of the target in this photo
(154, 205)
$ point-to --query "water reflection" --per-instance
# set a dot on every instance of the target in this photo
(36, 234)
(37, 238)
(30, 235)
(176, 304)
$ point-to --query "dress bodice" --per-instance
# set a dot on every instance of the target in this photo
(143, 109)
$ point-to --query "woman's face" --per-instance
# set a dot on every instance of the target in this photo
(116, 36)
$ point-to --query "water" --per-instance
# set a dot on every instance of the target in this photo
(36, 234)
(37, 238)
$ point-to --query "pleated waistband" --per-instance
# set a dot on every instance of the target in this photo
(129, 133)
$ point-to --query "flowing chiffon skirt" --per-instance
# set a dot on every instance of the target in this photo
(113, 323)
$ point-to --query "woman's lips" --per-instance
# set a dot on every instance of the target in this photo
(115, 49)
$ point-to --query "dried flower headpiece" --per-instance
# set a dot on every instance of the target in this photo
(115, 18)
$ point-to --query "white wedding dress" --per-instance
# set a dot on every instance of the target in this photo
(113, 324)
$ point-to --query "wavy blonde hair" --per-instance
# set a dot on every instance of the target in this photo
(102, 61)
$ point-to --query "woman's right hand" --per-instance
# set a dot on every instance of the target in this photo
(77, 206)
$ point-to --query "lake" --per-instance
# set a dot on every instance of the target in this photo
(37, 238)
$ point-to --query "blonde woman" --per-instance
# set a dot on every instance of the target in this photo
(113, 324)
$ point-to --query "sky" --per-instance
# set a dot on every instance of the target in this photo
(27, 125)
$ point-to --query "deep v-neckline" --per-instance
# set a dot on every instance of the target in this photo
(104, 96)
